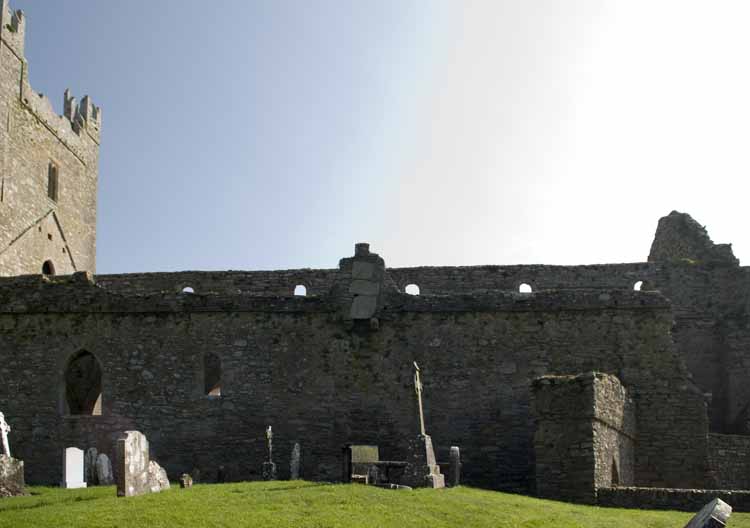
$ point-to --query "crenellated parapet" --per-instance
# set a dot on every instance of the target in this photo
(80, 124)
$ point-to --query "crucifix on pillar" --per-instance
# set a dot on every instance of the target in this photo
(418, 389)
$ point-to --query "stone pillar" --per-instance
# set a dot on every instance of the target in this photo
(294, 463)
(422, 470)
(73, 468)
(454, 470)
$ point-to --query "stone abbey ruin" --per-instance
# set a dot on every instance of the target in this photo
(602, 384)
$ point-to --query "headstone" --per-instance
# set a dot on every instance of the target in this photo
(421, 469)
(269, 471)
(11, 477)
(89, 466)
(715, 514)
(136, 473)
(157, 477)
(73, 468)
(373, 475)
(221, 474)
(295, 462)
(196, 474)
(454, 470)
(104, 476)
(186, 481)
(269, 468)
(4, 430)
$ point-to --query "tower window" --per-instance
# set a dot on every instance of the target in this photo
(52, 182)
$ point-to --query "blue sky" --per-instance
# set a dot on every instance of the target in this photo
(276, 134)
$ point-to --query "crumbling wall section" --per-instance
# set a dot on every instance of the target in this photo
(584, 438)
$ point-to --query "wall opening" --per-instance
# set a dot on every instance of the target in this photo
(524, 288)
(638, 285)
(300, 290)
(52, 182)
(615, 474)
(211, 375)
(188, 289)
(412, 289)
(83, 384)
(48, 268)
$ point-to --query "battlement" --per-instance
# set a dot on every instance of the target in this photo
(78, 121)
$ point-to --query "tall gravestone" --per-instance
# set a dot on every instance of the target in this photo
(104, 476)
(269, 467)
(73, 468)
(136, 472)
(294, 463)
(421, 469)
(89, 466)
(454, 470)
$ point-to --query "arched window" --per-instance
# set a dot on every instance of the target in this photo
(48, 268)
(83, 384)
(638, 285)
(211, 375)
(412, 289)
(524, 288)
(52, 182)
(188, 289)
(300, 290)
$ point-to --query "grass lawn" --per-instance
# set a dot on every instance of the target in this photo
(299, 503)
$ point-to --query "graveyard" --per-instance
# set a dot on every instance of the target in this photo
(309, 504)
(359, 395)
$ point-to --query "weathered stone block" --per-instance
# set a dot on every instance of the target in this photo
(136, 473)
(454, 471)
(11, 477)
(186, 481)
(715, 514)
(422, 470)
(269, 471)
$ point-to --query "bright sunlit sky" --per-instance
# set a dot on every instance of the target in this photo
(275, 134)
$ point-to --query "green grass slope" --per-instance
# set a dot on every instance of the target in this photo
(308, 504)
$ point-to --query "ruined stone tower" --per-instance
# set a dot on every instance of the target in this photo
(48, 169)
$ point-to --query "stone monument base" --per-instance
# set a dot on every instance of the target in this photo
(269, 471)
(422, 470)
(12, 482)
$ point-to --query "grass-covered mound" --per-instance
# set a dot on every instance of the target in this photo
(298, 503)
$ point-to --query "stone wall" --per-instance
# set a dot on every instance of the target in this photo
(584, 438)
(325, 379)
(729, 457)
(691, 500)
(33, 227)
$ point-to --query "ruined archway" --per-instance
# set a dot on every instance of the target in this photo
(83, 384)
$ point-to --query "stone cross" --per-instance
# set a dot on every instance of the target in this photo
(4, 430)
(418, 388)
(269, 437)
